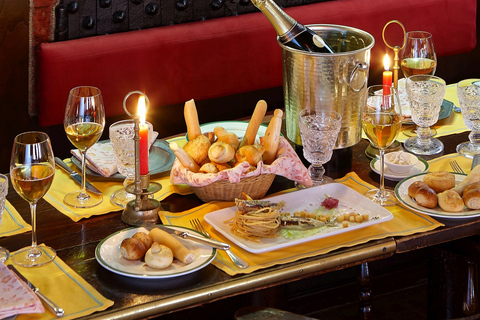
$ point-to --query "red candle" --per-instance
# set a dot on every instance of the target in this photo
(387, 75)
(143, 137)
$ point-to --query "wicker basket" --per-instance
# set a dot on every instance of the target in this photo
(223, 190)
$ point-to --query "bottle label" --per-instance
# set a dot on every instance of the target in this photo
(318, 41)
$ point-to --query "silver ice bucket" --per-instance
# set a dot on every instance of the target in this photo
(337, 81)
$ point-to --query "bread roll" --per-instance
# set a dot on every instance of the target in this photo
(426, 197)
(254, 123)
(272, 137)
(414, 187)
(145, 238)
(159, 256)
(249, 153)
(198, 148)
(472, 177)
(227, 137)
(450, 201)
(132, 249)
(191, 119)
(209, 168)
(221, 152)
(179, 250)
(440, 181)
(471, 196)
(184, 157)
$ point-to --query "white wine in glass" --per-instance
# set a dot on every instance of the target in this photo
(84, 122)
(381, 122)
(4, 253)
(418, 56)
(32, 167)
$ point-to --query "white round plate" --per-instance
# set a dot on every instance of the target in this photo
(237, 127)
(108, 255)
(421, 166)
(401, 191)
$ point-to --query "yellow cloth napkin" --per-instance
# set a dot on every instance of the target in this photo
(63, 184)
(64, 287)
(443, 163)
(12, 222)
(405, 222)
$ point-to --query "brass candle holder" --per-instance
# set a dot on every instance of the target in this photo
(143, 209)
(395, 49)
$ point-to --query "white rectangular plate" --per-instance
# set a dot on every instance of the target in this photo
(306, 199)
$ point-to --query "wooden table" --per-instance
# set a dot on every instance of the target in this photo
(75, 243)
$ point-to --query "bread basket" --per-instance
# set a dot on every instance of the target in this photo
(223, 190)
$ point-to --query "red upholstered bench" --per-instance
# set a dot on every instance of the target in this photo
(224, 56)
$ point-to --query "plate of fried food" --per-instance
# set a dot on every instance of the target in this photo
(442, 194)
(152, 253)
(297, 217)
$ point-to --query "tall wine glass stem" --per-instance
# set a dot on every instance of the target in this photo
(382, 171)
(424, 134)
(34, 252)
(316, 172)
(83, 194)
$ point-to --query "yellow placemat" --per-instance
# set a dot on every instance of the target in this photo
(443, 163)
(11, 222)
(63, 184)
(64, 287)
(405, 222)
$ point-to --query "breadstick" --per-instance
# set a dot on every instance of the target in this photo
(184, 157)
(472, 177)
(191, 119)
(272, 137)
(254, 124)
(180, 252)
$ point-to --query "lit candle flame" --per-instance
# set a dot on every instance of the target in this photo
(141, 109)
(386, 62)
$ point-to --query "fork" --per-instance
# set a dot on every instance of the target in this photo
(456, 167)
(197, 225)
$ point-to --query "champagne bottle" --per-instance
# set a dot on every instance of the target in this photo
(290, 32)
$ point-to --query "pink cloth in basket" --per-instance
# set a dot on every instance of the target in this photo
(288, 164)
(15, 296)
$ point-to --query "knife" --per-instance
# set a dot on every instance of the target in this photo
(75, 176)
(59, 312)
(197, 238)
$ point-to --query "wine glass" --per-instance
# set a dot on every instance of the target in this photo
(122, 136)
(32, 167)
(319, 131)
(381, 122)
(4, 253)
(83, 122)
(418, 57)
(425, 93)
(469, 97)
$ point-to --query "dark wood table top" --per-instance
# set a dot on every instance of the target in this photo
(75, 243)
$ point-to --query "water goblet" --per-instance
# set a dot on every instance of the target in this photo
(319, 131)
(32, 167)
(122, 136)
(425, 93)
(4, 253)
(83, 122)
(469, 97)
(381, 122)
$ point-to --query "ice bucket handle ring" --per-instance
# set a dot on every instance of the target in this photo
(359, 67)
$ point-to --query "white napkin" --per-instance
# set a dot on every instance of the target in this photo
(101, 157)
(15, 295)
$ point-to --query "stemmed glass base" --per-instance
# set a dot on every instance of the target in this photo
(122, 197)
(423, 147)
(468, 149)
(316, 173)
(4, 254)
(34, 256)
(383, 198)
(80, 199)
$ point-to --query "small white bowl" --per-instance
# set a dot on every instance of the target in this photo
(399, 167)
